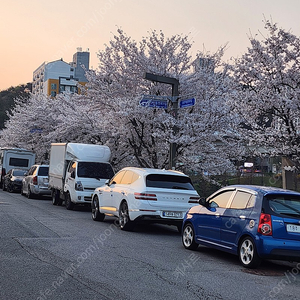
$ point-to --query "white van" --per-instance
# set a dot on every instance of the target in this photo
(15, 158)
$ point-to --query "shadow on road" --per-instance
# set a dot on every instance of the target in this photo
(267, 267)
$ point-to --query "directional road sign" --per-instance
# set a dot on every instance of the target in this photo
(187, 102)
(154, 101)
(36, 130)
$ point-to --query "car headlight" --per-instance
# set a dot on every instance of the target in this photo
(78, 186)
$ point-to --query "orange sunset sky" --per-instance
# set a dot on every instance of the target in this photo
(35, 31)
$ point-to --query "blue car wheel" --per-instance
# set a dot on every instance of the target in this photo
(188, 237)
(248, 254)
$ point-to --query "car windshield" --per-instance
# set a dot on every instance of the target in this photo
(19, 173)
(169, 182)
(286, 205)
(95, 170)
(43, 171)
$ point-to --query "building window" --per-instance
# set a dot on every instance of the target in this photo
(53, 86)
(53, 93)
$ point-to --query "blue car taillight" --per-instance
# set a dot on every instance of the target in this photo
(265, 224)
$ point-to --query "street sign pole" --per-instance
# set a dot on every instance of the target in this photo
(175, 93)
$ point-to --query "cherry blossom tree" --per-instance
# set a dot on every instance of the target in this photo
(266, 92)
(28, 125)
(202, 134)
(42, 120)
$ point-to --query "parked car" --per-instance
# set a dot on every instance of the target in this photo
(12, 181)
(148, 195)
(252, 222)
(36, 181)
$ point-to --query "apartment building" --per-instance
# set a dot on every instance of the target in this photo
(59, 76)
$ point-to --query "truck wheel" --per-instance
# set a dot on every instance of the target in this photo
(69, 203)
(96, 215)
(55, 197)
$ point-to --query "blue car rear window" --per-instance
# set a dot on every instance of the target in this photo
(285, 205)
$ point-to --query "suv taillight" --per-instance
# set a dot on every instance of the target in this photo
(194, 200)
(265, 224)
(143, 196)
(34, 180)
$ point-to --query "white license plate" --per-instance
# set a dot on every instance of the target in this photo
(292, 228)
(172, 214)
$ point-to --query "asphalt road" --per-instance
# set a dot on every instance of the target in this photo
(48, 252)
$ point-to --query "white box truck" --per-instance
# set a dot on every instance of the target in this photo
(15, 158)
(75, 170)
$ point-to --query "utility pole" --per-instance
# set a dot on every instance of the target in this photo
(175, 93)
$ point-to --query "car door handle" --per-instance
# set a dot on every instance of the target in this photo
(242, 217)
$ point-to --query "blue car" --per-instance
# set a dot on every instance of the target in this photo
(253, 222)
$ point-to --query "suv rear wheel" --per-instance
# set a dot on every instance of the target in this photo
(29, 194)
(124, 220)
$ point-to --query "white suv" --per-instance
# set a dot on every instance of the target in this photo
(36, 181)
(148, 195)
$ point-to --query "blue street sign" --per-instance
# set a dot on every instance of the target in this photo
(158, 104)
(36, 130)
(154, 101)
(187, 102)
(144, 102)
